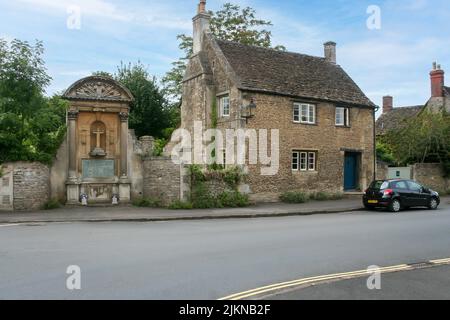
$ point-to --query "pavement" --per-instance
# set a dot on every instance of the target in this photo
(211, 259)
(130, 213)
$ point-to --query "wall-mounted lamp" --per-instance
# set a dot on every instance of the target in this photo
(247, 111)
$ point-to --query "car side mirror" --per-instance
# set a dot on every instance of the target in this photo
(425, 190)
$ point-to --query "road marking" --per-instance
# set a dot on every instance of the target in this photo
(440, 261)
(314, 280)
(9, 225)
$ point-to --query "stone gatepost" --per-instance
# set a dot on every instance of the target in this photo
(147, 144)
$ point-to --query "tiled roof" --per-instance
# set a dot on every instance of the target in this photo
(291, 74)
(396, 118)
(447, 91)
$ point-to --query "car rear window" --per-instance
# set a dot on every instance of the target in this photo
(399, 185)
(379, 185)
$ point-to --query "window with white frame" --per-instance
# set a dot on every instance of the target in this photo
(295, 162)
(342, 117)
(304, 161)
(296, 115)
(304, 113)
(224, 104)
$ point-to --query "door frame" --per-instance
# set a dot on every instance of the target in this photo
(357, 168)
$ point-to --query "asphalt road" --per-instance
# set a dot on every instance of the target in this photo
(422, 284)
(210, 259)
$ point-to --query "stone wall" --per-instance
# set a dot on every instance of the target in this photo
(428, 174)
(431, 175)
(58, 173)
(216, 187)
(382, 170)
(162, 179)
(329, 141)
(31, 185)
(135, 166)
(6, 187)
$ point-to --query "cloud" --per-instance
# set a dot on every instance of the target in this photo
(410, 5)
(295, 34)
(390, 53)
(75, 73)
(418, 4)
(6, 37)
(154, 15)
(96, 8)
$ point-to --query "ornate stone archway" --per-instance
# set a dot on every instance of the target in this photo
(98, 140)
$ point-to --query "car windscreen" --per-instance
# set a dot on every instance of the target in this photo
(379, 185)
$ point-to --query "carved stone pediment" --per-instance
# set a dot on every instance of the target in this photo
(99, 89)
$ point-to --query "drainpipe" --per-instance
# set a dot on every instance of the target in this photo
(375, 110)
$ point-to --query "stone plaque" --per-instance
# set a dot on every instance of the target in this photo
(98, 168)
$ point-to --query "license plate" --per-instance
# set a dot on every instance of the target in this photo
(372, 201)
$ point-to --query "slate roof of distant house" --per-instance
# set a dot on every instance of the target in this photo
(291, 74)
(396, 118)
(447, 91)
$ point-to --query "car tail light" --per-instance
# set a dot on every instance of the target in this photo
(366, 191)
(388, 192)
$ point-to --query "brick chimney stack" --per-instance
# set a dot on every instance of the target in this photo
(201, 25)
(330, 51)
(388, 104)
(202, 6)
(437, 81)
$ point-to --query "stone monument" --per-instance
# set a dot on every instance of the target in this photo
(97, 134)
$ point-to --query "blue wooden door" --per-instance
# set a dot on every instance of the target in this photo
(350, 173)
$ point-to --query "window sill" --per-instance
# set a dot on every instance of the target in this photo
(305, 123)
(343, 127)
(302, 172)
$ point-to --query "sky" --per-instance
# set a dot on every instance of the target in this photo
(390, 55)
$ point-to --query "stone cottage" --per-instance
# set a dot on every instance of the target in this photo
(325, 122)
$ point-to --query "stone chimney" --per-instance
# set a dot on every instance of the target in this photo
(437, 81)
(330, 51)
(388, 104)
(201, 25)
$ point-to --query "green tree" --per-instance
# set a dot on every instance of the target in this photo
(31, 125)
(425, 138)
(229, 23)
(103, 74)
(384, 153)
(23, 79)
(150, 113)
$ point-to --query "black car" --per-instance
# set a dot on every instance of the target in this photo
(399, 194)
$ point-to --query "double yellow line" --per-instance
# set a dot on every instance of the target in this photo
(313, 280)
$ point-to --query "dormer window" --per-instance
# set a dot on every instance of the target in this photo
(224, 104)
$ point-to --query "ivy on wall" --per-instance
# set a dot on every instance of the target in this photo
(202, 197)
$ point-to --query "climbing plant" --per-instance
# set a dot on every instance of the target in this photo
(202, 197)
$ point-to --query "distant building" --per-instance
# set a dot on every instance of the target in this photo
(394, 118)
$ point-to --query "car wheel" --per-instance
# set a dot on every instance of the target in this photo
(433, 204)
(395, 206)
